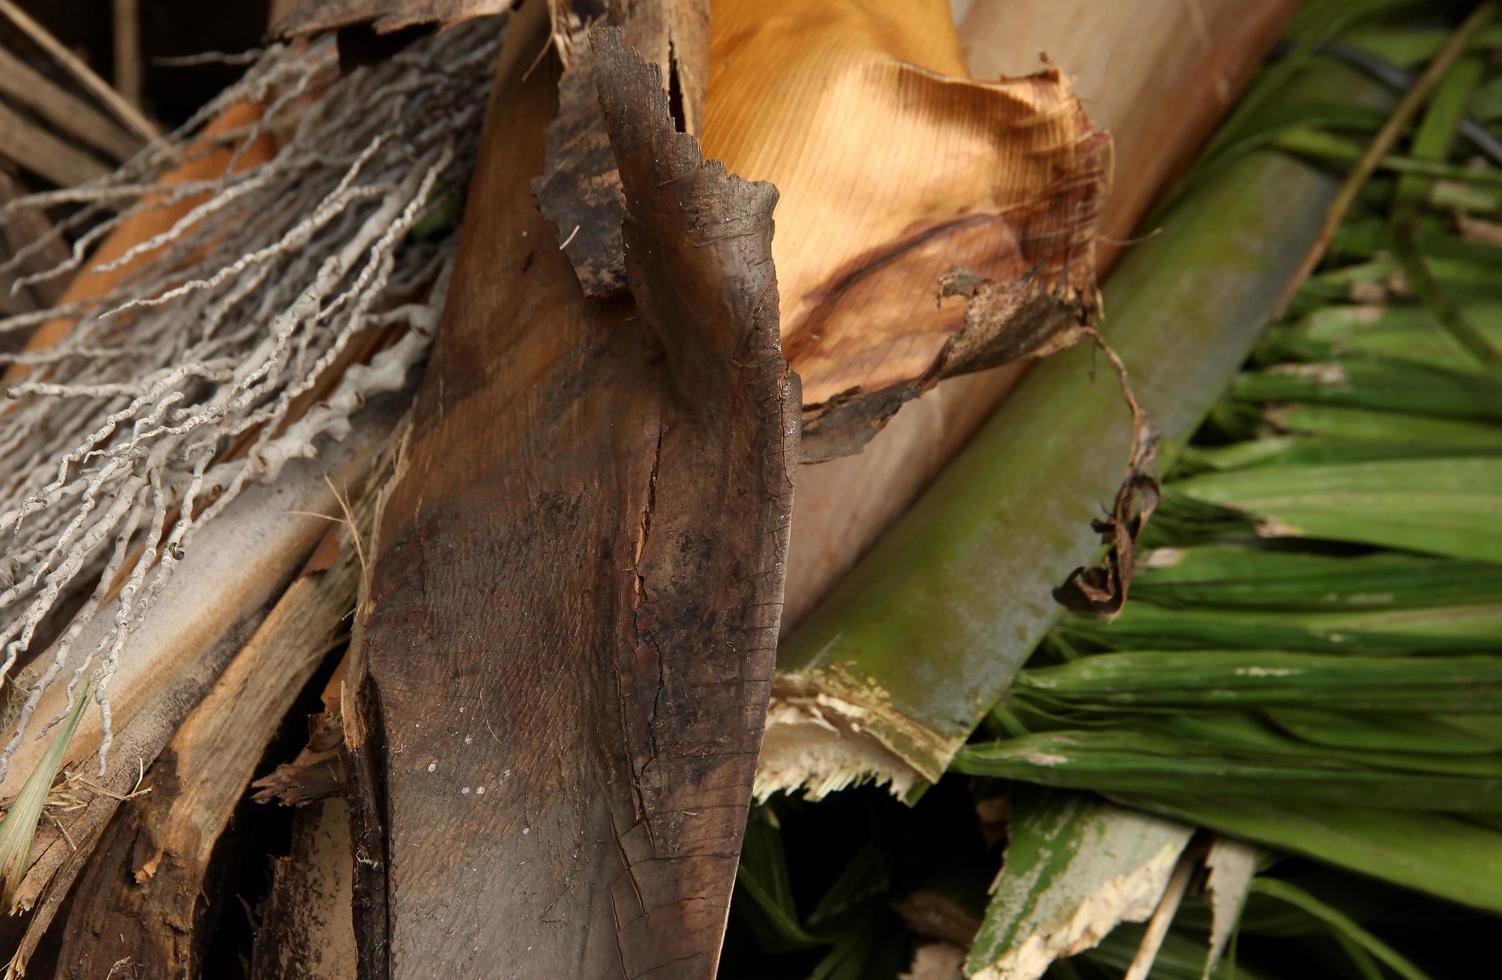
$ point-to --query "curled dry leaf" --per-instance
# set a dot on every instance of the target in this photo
(1102, 589)
(894, 168)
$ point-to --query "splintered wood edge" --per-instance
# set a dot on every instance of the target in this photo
(579, 190)
(826, 731)
(819, 747)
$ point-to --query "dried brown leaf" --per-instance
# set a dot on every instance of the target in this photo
(894, 168)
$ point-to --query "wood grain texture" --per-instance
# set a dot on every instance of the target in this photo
(307, 929)
(240, 566)
(573, 616)
(36, 149)
(24, 85)
(1158, 73)
(307, 922)
(383, 16)
(1159, 84)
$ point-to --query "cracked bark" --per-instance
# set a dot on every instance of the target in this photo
(573, 615)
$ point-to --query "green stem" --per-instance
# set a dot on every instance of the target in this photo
(1433, 142)
(1317, 144)
(908, 653)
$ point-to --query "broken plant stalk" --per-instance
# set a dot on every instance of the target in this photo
(893, 672)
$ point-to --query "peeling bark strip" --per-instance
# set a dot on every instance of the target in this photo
(894, 168)
(579, 188)
(1102, 589)
(579, 574)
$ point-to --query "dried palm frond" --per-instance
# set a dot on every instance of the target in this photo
(236, 337)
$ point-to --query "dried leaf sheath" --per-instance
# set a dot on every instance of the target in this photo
(579, 574)
(894, 168)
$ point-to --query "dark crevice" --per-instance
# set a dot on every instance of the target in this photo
(675, 92)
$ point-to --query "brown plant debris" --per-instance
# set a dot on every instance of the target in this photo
(320, 770)
(140, 894)
(894, 168)
(306, 929)
(578, 189)
(841, 104)
(557, 696)
(1102, 589)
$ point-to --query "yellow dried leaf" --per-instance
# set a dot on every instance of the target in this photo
(894, 168)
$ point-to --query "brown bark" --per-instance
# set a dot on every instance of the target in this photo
(306, 929)
(579, 189)
(142, 897)
(573, 614)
